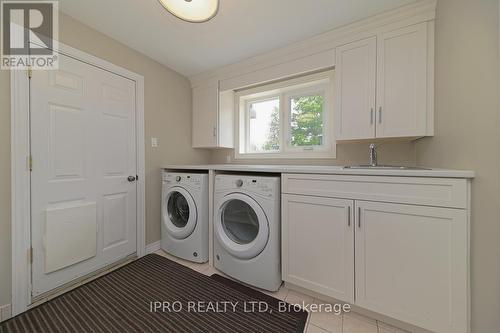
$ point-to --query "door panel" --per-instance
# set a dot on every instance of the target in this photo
(66, 142)
(115, 212)
(411, 264)
(318, 245)
(402, 82)
(74, 229)
(83, 148)
(355, 76)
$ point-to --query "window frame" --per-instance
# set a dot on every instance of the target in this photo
(285, 91)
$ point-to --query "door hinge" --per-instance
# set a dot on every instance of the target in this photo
(30, 255)
(30, 72)
(30, 163)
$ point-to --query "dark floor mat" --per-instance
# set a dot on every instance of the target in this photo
(122, 301)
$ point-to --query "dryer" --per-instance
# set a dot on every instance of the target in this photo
(184, 226)
(247, 229)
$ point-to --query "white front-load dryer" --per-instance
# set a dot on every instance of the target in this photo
(247, 229)
(184, 227)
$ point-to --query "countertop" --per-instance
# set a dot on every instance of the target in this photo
(333, 170)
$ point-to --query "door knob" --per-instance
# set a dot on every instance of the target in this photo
(131, 179)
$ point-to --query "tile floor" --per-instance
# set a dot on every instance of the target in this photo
(319, 322)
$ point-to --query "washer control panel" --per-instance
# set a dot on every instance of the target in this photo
(184, 179)
(264, 186)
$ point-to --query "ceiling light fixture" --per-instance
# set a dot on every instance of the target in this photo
(195, 11)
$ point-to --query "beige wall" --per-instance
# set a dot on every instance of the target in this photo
(468, 135)
(167, 117)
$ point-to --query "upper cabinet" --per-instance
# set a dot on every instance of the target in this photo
(355, 75)
(384, 85)
(212, 117)
(402, 82)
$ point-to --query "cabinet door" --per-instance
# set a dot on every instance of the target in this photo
(355, 72)
(411, 264)
(205, 114)
(402, 82)
(318, 245)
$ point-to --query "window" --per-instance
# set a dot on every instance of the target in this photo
(263, 125)
(289, 119)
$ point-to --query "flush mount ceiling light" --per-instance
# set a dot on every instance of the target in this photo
(192, 10)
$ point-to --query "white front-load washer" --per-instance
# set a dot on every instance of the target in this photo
(247, 229)
(184, 227)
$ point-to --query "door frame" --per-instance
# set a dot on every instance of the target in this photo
(20, 172)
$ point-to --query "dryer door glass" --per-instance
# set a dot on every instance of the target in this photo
(178, 210)
(240, 222)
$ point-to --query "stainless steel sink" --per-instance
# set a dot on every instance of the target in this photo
(385, 167)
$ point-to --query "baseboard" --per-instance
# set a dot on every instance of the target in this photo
(153, 247)
(5, 312)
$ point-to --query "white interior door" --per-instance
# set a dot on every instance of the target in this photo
(83, 149)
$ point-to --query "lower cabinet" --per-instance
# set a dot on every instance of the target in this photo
(408, 262)
(411, 264)
(318, 245)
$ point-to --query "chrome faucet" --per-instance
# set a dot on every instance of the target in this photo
(373, 155)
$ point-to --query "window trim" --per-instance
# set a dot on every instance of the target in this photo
(285, 90)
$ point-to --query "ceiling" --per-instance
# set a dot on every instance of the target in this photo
(242, 28)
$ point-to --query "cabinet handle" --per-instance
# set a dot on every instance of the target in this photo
(215, 131)
(380, 115)
(349, 216)
(359, 217)
(371, 116)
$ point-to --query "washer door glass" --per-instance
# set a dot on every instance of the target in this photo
(240, 222)
(241, 226)
(179, 214)
(178, 209)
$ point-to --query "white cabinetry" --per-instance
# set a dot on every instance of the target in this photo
(411, 264)
(328, 232)
(212, 117)
(355, 77)
(410, 260)
(402, 82)
(396, 66)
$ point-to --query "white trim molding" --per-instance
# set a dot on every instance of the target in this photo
(153, 247)
(5, 312)
(20, 174)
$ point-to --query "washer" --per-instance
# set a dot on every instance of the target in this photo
(247, 229)
(184, 227)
